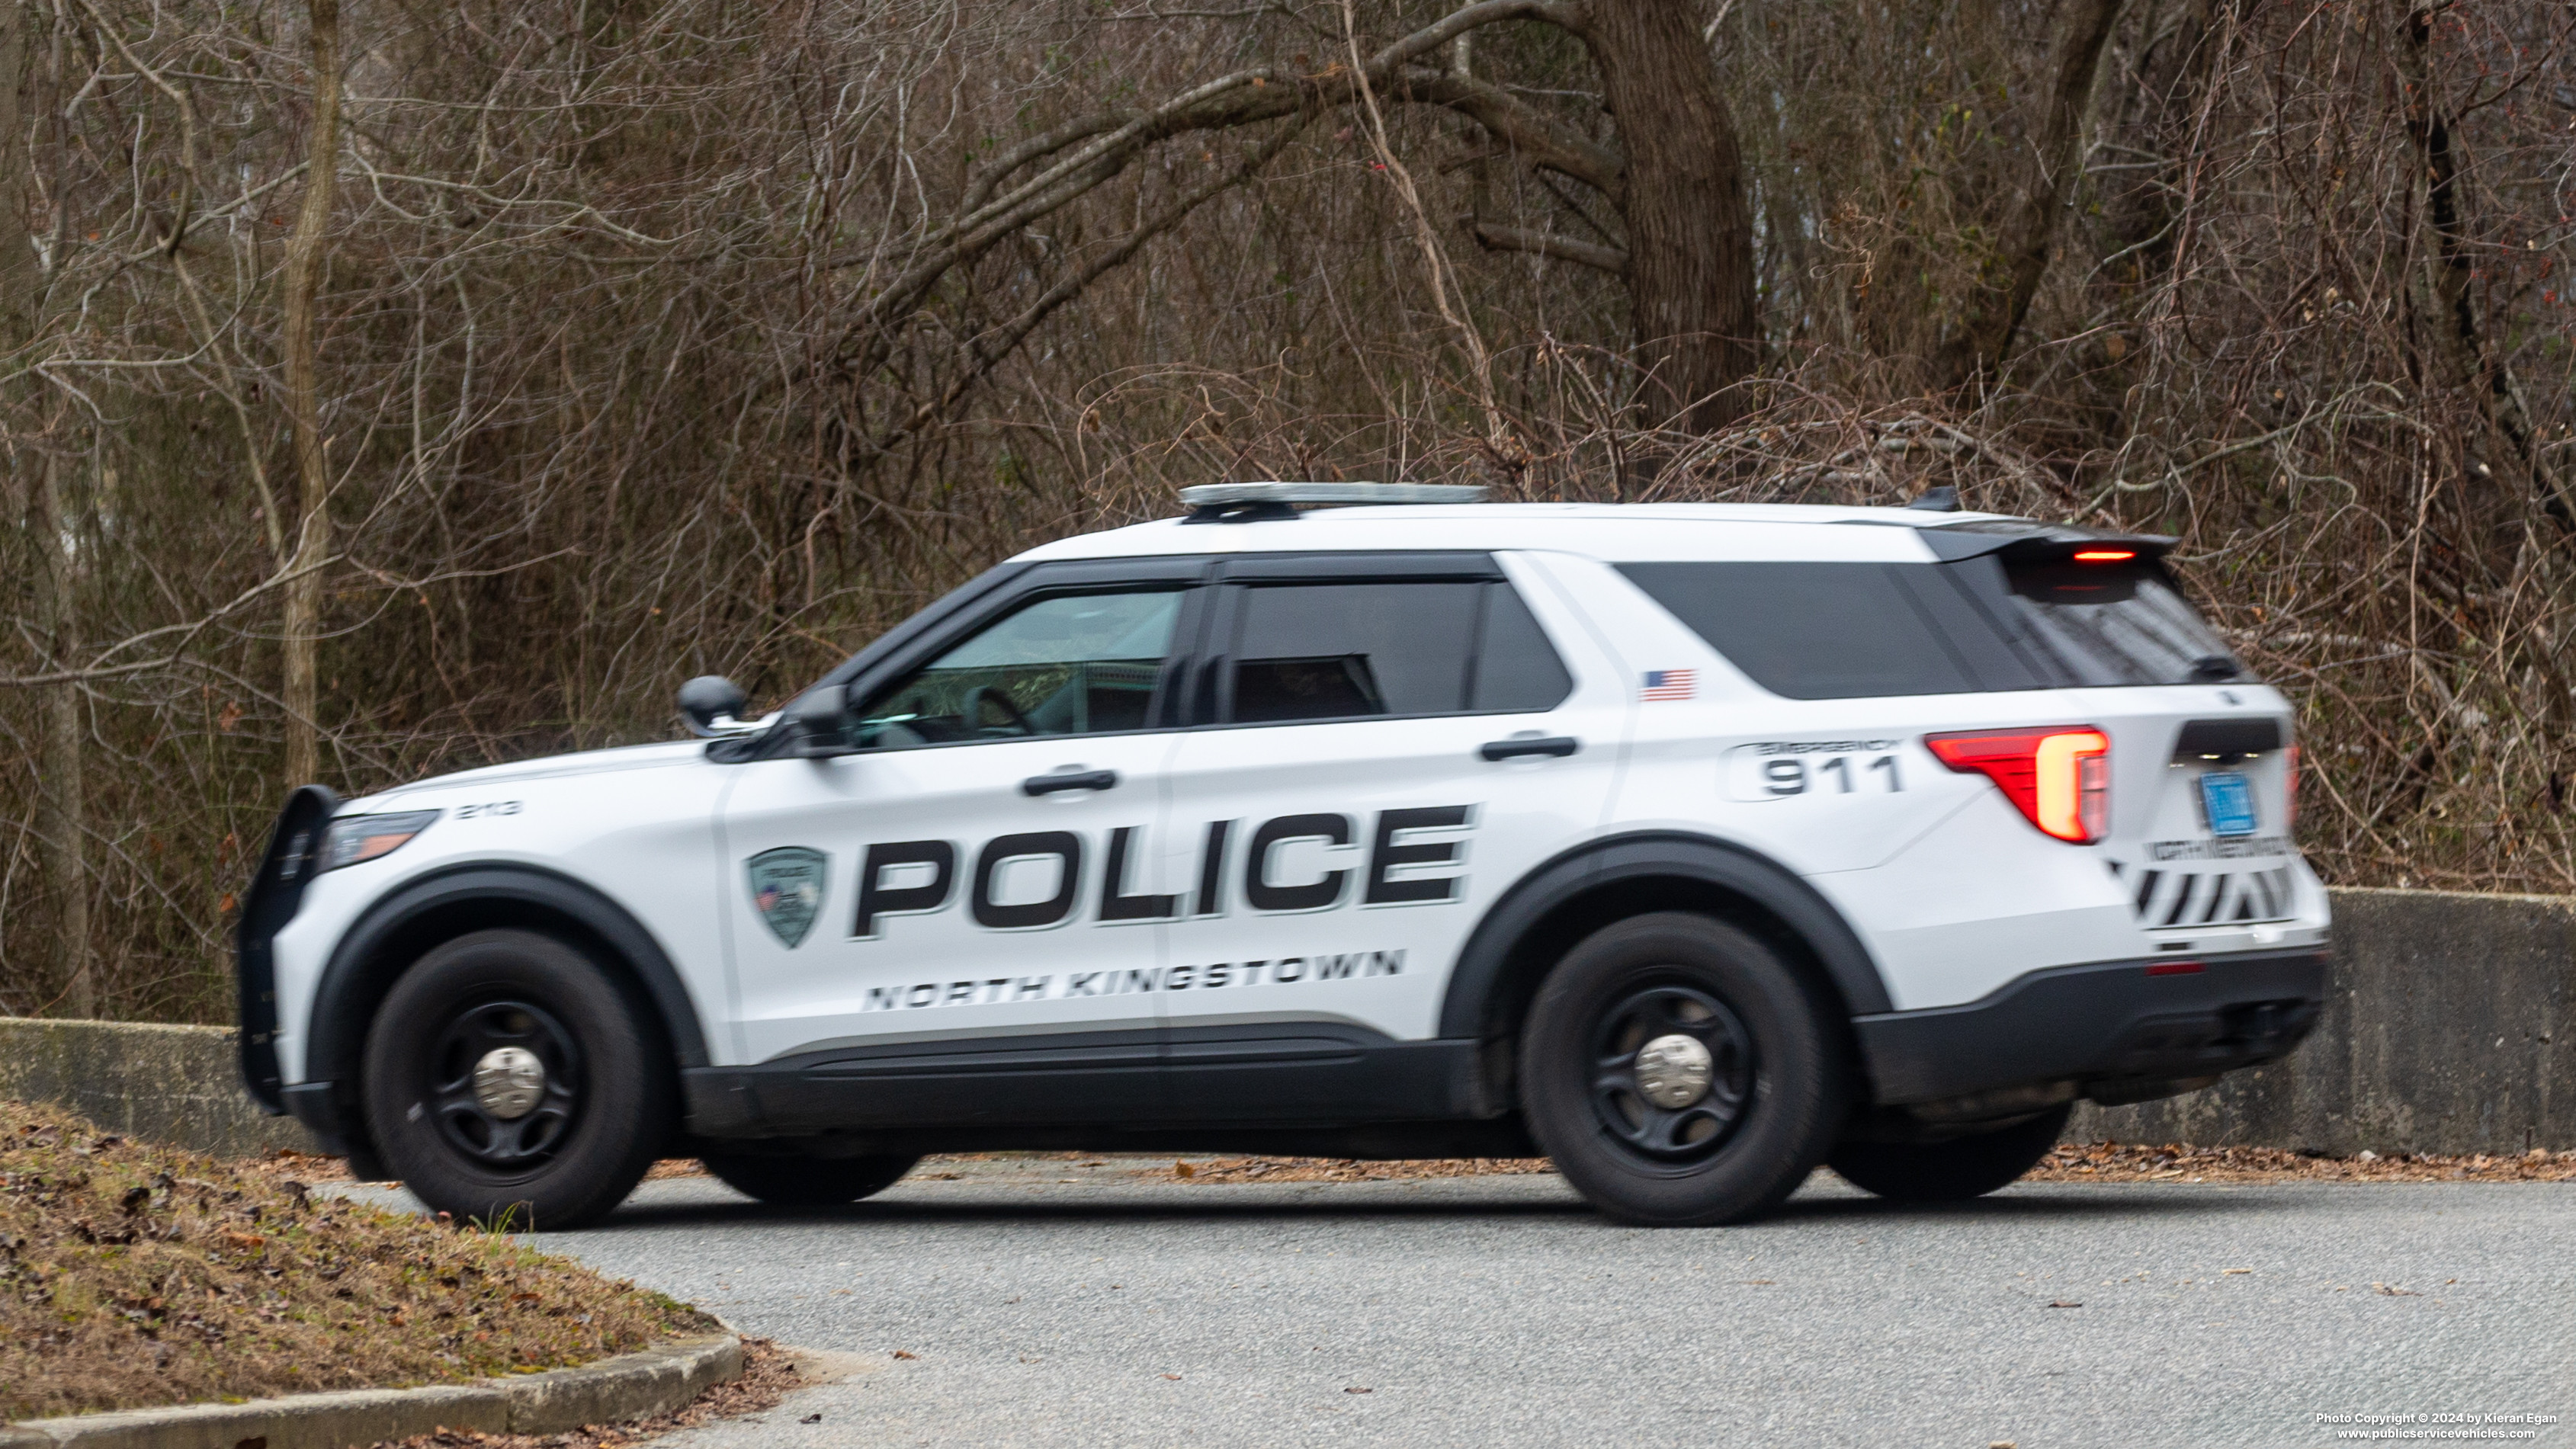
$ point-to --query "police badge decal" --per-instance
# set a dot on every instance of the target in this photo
(787, 887)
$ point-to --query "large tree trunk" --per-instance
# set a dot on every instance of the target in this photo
(303, 401)
(62, 814)
(62, 825)
(2441, 290)
(2054, 165)
(1690, 228)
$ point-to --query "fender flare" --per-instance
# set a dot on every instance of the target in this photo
(357, 973)
(1484, 961)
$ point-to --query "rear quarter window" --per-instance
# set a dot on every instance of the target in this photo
(1811, 630)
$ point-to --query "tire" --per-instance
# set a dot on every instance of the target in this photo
(580, 1131)
(1775, 1072)
(1952, 1171)
(808, 1181)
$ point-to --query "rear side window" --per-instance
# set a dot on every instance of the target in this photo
(1810, 630)
(1359, 650)
(2110, 624)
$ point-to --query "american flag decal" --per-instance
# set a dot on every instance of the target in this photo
(1670, 684)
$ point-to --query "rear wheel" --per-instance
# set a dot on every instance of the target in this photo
(1680, 1073)
(1952, 1171)
(508, 1079)
(808, 1181)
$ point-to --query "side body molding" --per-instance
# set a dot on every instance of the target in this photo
(1560, 902)
(469, 897)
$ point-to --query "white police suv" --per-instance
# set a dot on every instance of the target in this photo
(1691, 845)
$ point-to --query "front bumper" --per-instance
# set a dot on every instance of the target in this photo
(2115, 1030)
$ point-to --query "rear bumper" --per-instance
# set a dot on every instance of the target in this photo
(2111, 1029)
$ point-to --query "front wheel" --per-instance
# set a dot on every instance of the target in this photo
(1952, 1171)
(509, 1081)
(1681, 1073)
(807, 1181)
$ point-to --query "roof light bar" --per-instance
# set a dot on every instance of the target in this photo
(1259, 502)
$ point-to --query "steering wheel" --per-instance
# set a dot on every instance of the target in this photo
(971, 713)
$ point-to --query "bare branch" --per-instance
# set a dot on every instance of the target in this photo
(1494, 236)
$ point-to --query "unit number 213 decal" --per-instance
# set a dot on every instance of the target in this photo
(1781, 769)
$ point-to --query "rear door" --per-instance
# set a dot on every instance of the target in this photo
(1388, 742)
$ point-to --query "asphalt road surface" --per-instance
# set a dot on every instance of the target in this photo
(1481, 1311)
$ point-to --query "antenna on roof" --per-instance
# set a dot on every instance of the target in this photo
(1263, 502)
(1944, 499)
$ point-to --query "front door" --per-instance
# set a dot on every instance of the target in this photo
(1390, 745)
(976, 890)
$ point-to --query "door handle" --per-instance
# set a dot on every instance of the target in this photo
(1557, 745)
(1069, 780)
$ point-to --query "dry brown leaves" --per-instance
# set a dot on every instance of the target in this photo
(1342, 1169)
(2070, 1162)
(769, 1374)
(314, 1167)
(2181, 1162)
(133, 1275)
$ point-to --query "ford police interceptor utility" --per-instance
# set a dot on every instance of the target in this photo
(1691, 845)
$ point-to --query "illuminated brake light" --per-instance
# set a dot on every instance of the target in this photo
(2106, 555)
(2057, 776)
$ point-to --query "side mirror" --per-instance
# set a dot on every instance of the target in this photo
(712, 704)
(820, 717)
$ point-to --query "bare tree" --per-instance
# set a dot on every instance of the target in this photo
(300, 280)
(603, 347)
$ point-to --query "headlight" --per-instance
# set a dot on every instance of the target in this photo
(356, 838)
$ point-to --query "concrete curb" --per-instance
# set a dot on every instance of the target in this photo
(625, 1387)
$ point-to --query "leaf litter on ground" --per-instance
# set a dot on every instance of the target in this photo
(2067, 1162)
(133, 1275)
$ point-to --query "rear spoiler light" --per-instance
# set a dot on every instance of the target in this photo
(2022, 541)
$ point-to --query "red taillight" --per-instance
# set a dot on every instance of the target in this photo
(2290, 791)
(2106, 555)
(2057, 776)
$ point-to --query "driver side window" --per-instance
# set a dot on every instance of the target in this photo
(1070, 664)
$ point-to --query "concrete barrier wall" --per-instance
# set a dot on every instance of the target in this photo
(2447, 1030)
(174, 1084)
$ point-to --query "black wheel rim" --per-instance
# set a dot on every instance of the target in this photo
(1670, 1136)
(510, 1146)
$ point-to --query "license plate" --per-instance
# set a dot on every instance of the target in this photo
(2227, 797)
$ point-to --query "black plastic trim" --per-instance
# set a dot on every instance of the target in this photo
(2228, 737)
(1309, 1073)
(1468, 1010)
(2108, 1021)
(317, 1106)
(360, 970)
(1317, 1072)
(1390, 566)
(274, 895)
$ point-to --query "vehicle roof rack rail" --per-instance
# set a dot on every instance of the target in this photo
(1264, 502)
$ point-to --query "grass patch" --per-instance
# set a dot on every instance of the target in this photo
(133, 1275)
